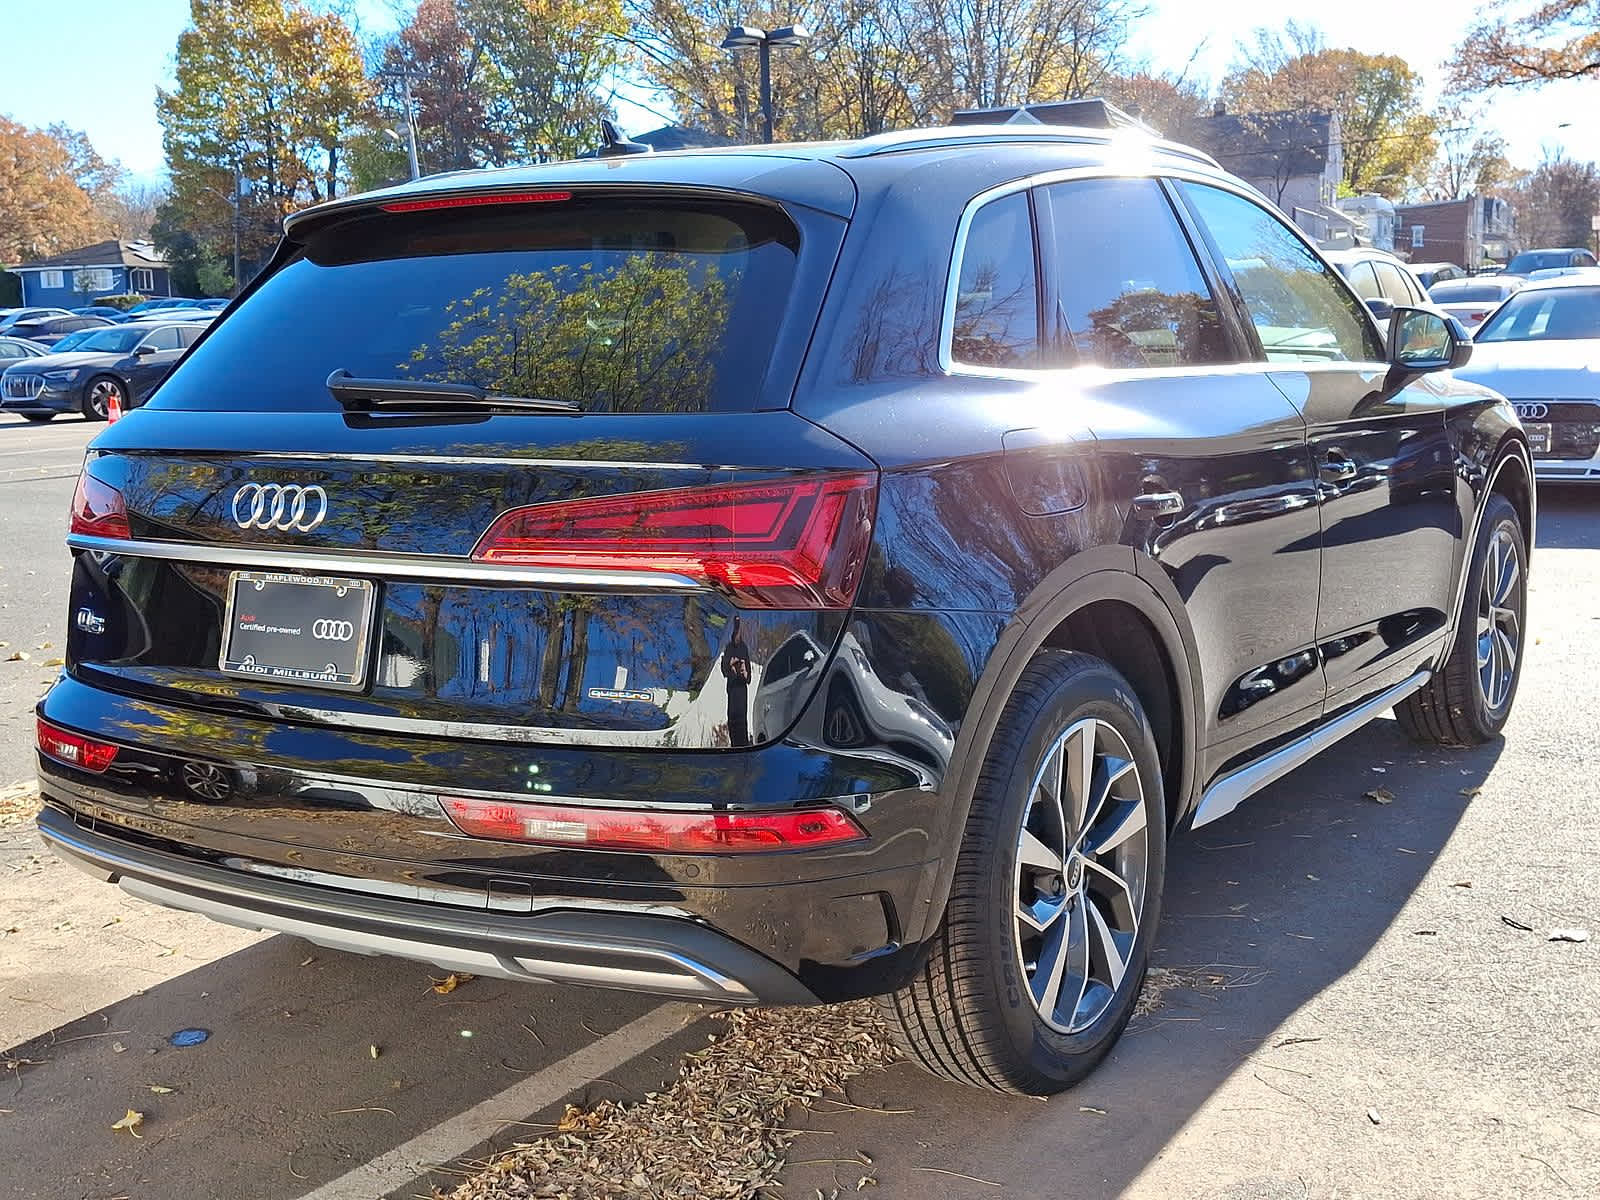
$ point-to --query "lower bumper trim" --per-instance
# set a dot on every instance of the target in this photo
(665, 956)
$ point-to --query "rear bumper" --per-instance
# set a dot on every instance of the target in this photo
(663, 955)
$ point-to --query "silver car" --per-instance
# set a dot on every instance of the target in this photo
(1541, 350)
(1470, 301)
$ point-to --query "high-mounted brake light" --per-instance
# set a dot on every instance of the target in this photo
(659, 831)
(74, 749)
(473, 201)
(796, 543)
(98, 509)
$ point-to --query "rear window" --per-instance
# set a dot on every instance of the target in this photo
(616, 304)
(1456, 293)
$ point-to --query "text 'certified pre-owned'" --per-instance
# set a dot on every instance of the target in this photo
(279, 506)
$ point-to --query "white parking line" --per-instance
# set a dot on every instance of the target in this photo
(451, 1139)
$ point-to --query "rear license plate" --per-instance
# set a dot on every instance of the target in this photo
(1538, 437)
(298, 629)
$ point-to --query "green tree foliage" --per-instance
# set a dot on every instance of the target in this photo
(1388, 138)
(272, 89)
(645, 332)
(504, 81)
(1527, 44)
(873, 65)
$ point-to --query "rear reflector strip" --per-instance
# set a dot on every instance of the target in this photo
(662, 832)
(98, 509)
(402, 206)
(74, 749)
(796, 543)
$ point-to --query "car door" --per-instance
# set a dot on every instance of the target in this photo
(150, 367)
(1206, 458)
(1386, 477)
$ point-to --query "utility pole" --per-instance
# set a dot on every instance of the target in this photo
(238, 192)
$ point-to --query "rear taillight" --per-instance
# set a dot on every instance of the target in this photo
(663, 832)
(98, 510)
(74, 749)
(475, 201)
(788, 543)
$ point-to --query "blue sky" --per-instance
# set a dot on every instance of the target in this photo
(50, 49)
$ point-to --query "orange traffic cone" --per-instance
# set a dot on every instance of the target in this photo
(113, 409)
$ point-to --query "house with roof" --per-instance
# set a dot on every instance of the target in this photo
(1295, 159)
(75, 278)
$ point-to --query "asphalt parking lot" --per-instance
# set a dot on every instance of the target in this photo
(1360, 998)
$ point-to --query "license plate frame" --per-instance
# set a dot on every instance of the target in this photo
(1538, 437)
(346, 672)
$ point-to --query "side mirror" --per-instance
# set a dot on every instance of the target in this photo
(1380, 308)
(1420, 341)
(141, 351)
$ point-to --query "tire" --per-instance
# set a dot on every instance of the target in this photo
(971, 1014)
(38, 418)
(1468, 700)
(97, 397)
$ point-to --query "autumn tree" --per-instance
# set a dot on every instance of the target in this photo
(1529, 43)
(44, 207)
(267, 94)
(1555, 201)
(1387, 137)
(1470, 160)
(1171, 105)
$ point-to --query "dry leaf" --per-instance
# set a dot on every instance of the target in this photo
(1516, 924)
(1380, 796)
(1569, 935)
(451, 982)
(159, 1090)
(54, 662)
(1471, 791)
(373, 1050)
(19, 656)
(117, 1047)
(1089, 1108)
(131, 1123)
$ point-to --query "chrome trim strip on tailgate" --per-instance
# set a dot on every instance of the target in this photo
(1227, 793)
(390, 566)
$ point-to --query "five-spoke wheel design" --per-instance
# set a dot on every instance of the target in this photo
(1499, 619)
(1081, 864)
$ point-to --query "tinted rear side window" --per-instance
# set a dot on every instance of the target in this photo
(620, 305)
(1129, 292)
(997, 296)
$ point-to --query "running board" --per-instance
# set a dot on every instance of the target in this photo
(1227, 793)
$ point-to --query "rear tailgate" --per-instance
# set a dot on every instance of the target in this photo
(614, 577)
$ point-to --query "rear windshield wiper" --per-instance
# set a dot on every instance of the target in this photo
(416, 395)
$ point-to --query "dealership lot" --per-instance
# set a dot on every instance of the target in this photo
(1346, 1016)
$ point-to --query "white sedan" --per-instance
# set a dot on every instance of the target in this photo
(1541, 350)
(1470, 301)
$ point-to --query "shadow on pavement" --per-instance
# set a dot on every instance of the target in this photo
(1264, 910)
(1567, 518)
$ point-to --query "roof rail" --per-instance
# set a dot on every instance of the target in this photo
(1015, 134)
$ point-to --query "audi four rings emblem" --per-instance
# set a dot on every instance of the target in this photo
(329, 630)
(279, 506)
(1533, 412)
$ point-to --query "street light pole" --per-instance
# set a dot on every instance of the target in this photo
(411, 126)
(749, 37)
(238, 190)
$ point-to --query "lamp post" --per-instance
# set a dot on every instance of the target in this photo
(749, 37)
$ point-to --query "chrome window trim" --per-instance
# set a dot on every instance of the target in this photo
(1144, 170)
(390, 566)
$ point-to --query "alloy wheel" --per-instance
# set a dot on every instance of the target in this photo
(1499, 620)
(100, 393)
(1081, 867)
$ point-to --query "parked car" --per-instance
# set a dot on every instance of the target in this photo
(1541, 348)
(1383, 281)
(1470, 301)
(15, 349)
(100, 310)
(113, 368)
(479, 600)
(68, 341)
(49, 330)
(1428, 274)
(155, 306)
(1530, 261)
(11, 316)
(215, 302)
(1559, 272)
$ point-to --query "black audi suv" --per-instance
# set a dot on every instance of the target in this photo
(780, 574)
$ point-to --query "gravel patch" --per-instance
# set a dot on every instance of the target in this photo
(718, 1133)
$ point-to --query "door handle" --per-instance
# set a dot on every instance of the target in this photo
(1158, 504)
(1336, 468)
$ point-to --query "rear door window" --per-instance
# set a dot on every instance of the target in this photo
(996, 320)
(1393, 283)
(1301, 310)
(1364, 279)
(618, 304)
(1128, 289)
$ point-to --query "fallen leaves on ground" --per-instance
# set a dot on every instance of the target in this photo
(451, 982)
(18, 803)
(131, 1123)
(718, 1133)
(1379, 796)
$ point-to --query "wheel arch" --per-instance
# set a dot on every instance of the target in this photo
(1079, 603)
(1510, 475)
